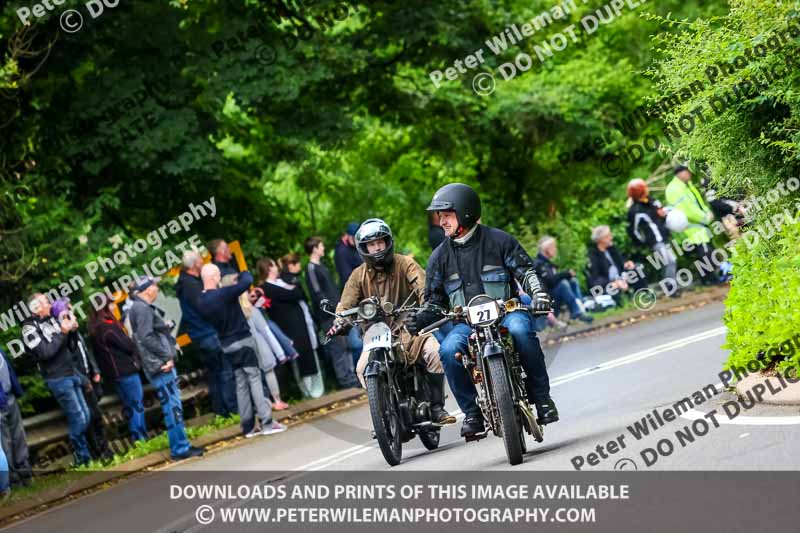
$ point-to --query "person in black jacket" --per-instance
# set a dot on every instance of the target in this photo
(222, 256)
(345, 256)
(562, 286)
(608, 272)
(474, 260)
(219, 305)
(290, 312)
(647, 227)
(219, 373)
(92, 387)
(321, 287)
(435, 232)
(12, 429)
(119, 364)
(45, 339)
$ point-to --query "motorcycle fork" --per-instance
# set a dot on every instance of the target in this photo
(485, 401)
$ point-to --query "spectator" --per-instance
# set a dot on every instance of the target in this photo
(269, 350)
(45, 339)
(120, 364)
(346, 259)
(647, 226)
(221, 308)
(259, 300)
(92, 389)
(5, 485)
(290, 311)
(222, 257)
(322, 287)
(683, 195)
(221, 382)
(157, 349)
(13, 442)
(607, 269)
(435, 232)
(345, 256)
(562, 285)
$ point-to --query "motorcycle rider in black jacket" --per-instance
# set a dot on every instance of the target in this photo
(473, 260)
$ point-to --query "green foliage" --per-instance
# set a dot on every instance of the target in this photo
(158, 443)
(762, 306)
(748, 148)
(117, 128)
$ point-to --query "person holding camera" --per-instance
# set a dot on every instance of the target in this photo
(46, 339)
(92, 388)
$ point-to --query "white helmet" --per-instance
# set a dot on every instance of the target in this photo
(676, 220)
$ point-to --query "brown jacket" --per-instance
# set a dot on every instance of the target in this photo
(395, 286)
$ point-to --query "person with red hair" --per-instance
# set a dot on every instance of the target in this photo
(647, 227)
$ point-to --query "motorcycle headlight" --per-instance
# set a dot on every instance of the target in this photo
(368, 310)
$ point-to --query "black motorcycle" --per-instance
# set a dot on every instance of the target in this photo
(397, 388)
(497, 372)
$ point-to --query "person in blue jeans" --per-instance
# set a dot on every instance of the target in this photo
(129, 390)
(355, 343)
(5, 484)
(562, 285)
(453, 338)
(68, 392)
(479, 260)
(219, 372)
(46, 339)
(119, 363)
(157, 349)
(169, 396)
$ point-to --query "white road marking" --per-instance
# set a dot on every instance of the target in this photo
(638, 356)
(694, 414)
(325, 462)
(331, 460)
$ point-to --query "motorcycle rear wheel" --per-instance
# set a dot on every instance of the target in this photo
(385, 419)
(509, 422)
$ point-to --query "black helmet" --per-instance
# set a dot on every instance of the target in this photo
(373, 230)
(459, 198)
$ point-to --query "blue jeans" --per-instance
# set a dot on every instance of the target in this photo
(283, 340)
(129, 389)
(221, 382)
(355, 344)
(568, 292)
(169, 395)
(520, 325)
(5, 484)
(68, 392)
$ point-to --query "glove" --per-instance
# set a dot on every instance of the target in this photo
(530, 283)
(340, 327)
(421, 319)
(541, 303)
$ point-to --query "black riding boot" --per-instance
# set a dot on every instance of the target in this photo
(436, 391)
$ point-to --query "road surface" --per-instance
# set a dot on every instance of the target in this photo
(602, 384)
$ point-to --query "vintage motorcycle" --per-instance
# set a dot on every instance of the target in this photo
(397, 388)
(496, 371)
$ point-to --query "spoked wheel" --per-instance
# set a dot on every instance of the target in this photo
(430, 438)
(511, 428)
(385, 419)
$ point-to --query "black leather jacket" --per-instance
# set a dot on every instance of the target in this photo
(49, 347)
(490, 262)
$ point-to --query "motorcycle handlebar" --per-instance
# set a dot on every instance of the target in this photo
(435, 325)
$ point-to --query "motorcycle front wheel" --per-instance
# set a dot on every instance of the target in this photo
(509, 423)
(385, 419)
